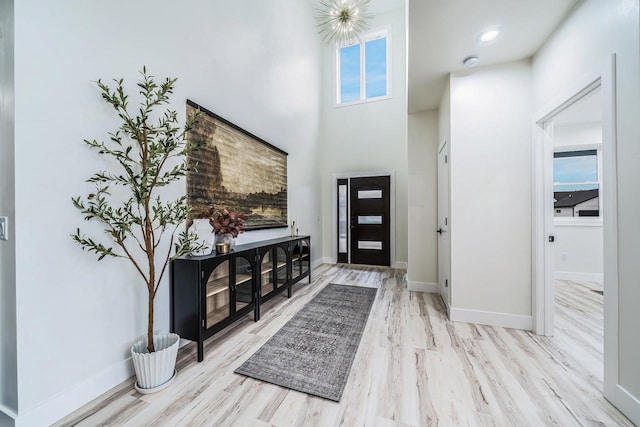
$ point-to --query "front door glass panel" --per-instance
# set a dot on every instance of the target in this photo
(370, 219)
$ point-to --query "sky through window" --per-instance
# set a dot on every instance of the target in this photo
(579, 172)
(363, 70)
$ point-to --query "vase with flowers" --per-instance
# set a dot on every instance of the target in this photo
(202, 229)
(227, 225)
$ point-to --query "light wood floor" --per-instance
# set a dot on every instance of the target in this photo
(413, 368)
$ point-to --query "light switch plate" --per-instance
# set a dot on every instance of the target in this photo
(4, 228)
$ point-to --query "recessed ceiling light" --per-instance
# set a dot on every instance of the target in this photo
(470, 61)
(489, 35)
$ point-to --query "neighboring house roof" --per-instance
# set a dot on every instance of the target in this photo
(568, 199)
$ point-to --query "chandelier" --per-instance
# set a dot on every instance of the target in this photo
(342, 21)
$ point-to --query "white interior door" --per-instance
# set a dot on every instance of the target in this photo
(444, 251)
(549, 233)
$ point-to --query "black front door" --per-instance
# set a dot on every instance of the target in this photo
(370, 225)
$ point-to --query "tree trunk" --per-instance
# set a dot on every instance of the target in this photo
(150, 346)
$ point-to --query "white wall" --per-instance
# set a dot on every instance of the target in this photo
(422, 271)
(255, 63)
(491, 190)
(444, 114)
(578, 252)
(368, 137)
(594, 31)
(577, 134)
(8, 356)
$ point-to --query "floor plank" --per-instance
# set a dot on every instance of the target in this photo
(413, 368)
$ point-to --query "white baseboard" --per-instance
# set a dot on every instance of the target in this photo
(581, 277)
(490, 318)
(6, 420)
(320, 261)
(628, 404)
(8, 412)
(432, 288)
(399, 264)
(76, 396)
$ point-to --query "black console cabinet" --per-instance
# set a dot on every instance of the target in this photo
(210, 292)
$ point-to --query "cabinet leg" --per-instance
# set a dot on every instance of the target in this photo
(256, 313)
(289, 292)
(200, 351)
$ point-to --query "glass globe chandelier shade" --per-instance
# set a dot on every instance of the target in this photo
(342, 21)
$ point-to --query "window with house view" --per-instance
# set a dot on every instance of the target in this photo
(363, 69)
(576, 184)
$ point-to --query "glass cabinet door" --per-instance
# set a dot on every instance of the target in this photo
(244, 283)
(281, 266)
(267, 282)
(296, 269)
(305, 259)
(218, 294)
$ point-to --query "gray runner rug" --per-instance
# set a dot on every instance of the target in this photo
(313, 351)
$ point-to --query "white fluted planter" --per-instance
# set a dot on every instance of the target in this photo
(155, 371)
(204, 231)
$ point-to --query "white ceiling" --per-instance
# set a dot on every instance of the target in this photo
(444, 32)
(384, 6)
(374, 7)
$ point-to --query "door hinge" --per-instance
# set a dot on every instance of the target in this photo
(202, 274)
(446, 221)
(446, 283)
(203, 323)
(445, 158)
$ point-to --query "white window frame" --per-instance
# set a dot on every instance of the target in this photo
(585, 220)
(372, 35)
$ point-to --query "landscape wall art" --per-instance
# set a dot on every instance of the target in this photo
(236, 170)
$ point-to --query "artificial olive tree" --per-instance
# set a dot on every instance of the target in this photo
(149, 152)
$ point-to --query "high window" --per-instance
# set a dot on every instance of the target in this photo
(363, 69)
(576, 183)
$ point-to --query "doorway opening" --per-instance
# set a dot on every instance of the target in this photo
(574, 211)
(364, 222)
(578, 245)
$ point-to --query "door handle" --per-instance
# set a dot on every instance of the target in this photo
(440, 231)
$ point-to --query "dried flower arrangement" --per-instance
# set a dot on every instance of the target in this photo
(205, 214)
(224, 222)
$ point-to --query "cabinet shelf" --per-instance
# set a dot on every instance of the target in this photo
(215, 316)
(266, 270)
(242, 278)
(216, 286)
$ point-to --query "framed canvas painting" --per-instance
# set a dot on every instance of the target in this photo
(236, 170)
